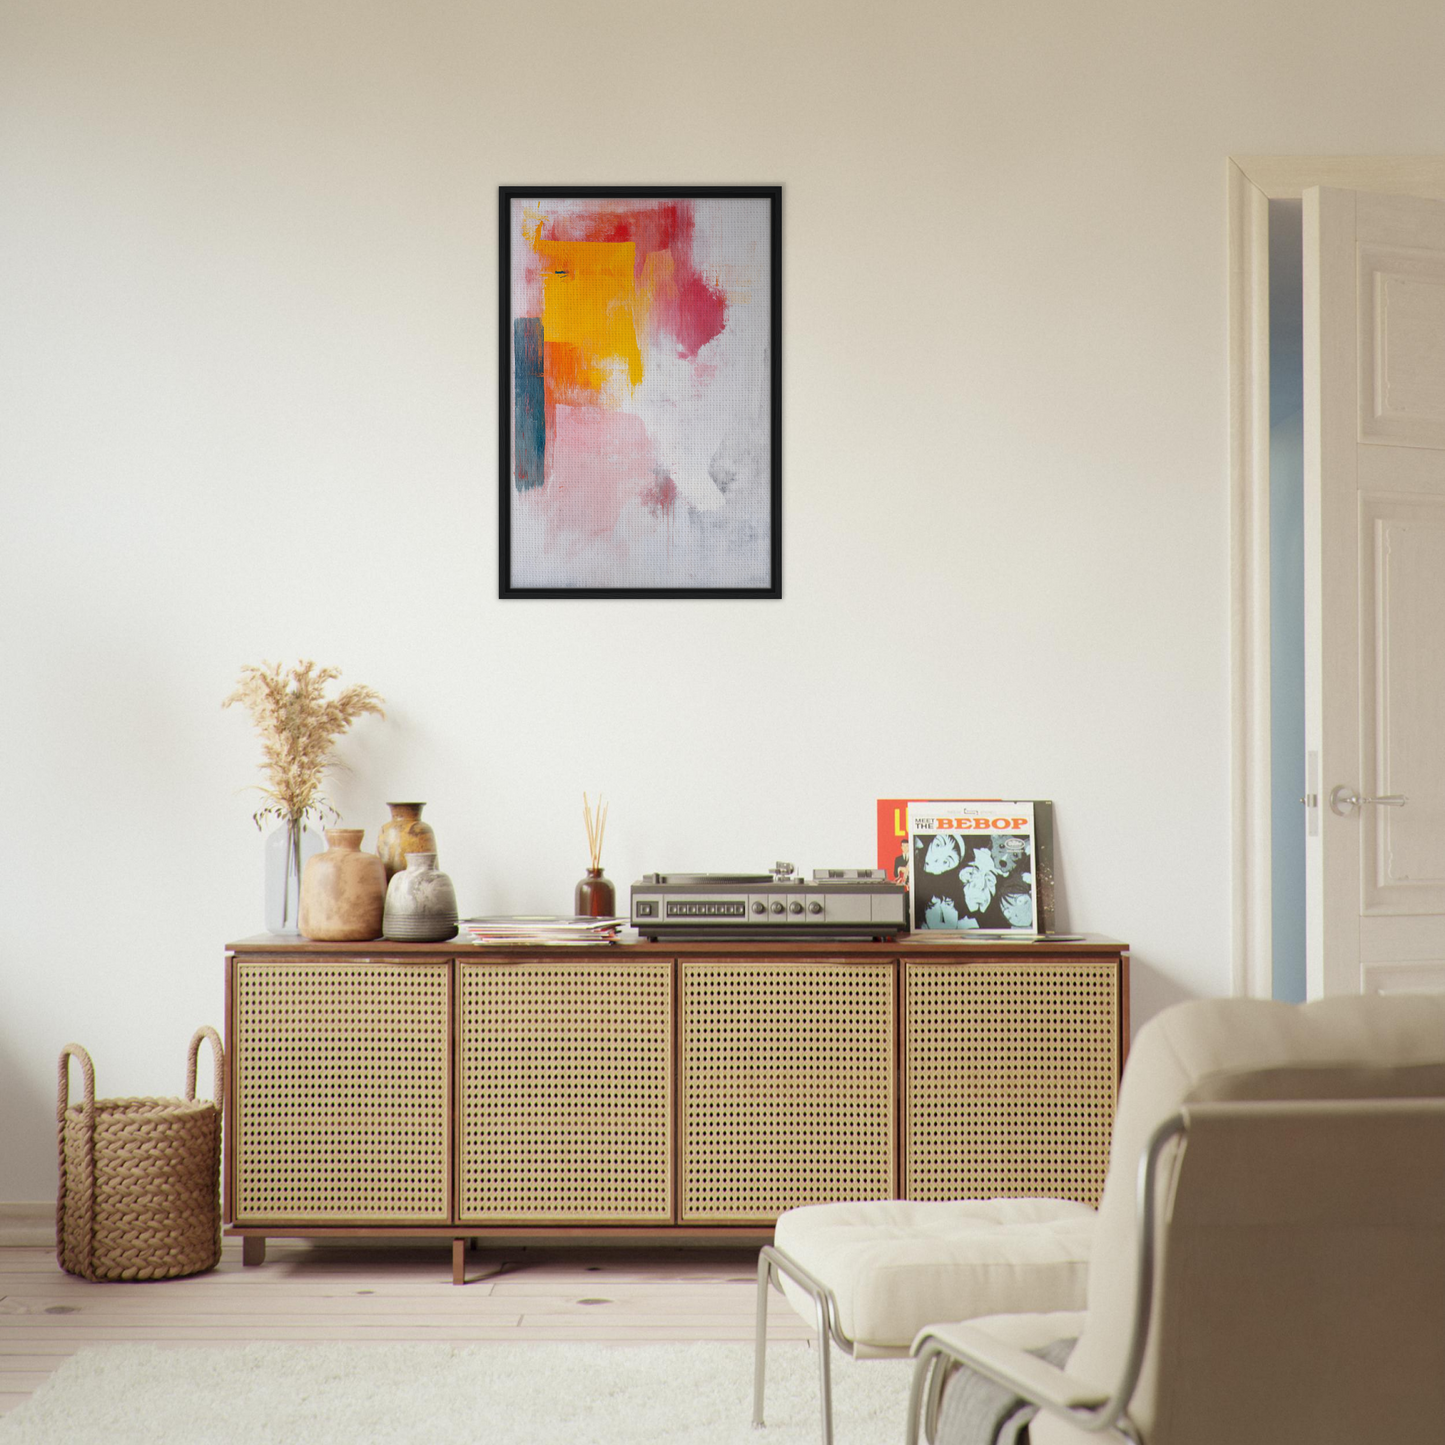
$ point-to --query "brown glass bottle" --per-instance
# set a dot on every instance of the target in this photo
(595, 896)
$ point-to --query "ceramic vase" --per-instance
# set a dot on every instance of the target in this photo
(288, 849)
(403, 833)
(343, 890)
(595, 896)
(421, 904)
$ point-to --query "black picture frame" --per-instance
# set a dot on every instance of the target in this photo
(507, 395)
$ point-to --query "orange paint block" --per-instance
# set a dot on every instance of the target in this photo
(587, 303)
(569, 372)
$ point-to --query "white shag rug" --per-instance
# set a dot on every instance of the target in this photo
(479, 1394)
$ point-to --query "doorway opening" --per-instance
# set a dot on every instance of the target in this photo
(1265, 778)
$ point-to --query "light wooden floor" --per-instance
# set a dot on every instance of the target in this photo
(381, 1292)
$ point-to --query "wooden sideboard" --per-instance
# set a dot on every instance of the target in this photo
(657, 1091)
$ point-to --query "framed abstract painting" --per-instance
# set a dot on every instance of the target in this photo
(640, 391)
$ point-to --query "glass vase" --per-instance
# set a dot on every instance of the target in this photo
(287, 849)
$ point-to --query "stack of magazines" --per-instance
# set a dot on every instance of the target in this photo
(527, 929)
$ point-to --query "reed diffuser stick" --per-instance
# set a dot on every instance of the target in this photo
(596, 827)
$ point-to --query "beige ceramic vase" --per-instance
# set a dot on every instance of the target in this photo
(343, 890)
(404, 833)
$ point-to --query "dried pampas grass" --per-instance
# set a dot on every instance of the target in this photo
(298, 724)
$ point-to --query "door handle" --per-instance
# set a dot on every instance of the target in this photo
(1344, 800)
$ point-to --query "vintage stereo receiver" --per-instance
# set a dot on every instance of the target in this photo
(834, 903)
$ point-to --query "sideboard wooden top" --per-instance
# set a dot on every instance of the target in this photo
(908, 945)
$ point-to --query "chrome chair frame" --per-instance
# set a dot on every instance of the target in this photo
(937, 1358)
(771, 1264)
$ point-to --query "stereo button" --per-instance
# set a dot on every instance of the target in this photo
(760, 907)
(777, 908)
(815, 907)
(795, 908)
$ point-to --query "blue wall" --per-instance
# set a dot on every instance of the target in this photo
(1286, 597)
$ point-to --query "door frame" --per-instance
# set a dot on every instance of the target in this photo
(1254, 181)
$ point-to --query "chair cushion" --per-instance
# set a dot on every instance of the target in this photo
(896, 1265)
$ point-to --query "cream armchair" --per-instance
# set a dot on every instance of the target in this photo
(1269, 1258)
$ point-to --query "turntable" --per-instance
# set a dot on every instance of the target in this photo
(834, 903)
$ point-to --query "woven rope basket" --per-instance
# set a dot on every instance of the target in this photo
(139, 1178)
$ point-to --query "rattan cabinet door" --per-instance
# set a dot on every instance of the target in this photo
(342, 1080)
(1010, 1078)
(787, 1086)
(566, 1091)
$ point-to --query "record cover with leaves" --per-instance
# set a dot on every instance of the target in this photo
(981, 864)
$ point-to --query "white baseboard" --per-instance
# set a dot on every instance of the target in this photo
(29, 1223)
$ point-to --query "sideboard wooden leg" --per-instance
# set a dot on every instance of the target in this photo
(253, 1249)
(459, 1261)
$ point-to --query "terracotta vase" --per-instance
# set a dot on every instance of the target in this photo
(595, 897)
(421, 904)
(343, 890)
(403, 833)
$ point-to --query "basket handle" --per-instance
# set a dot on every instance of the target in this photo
(218, 1055)
(87, 1070)
(84, 1186)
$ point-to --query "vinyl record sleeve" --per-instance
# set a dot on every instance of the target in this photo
(897, 860)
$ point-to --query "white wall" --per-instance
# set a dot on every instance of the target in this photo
(248, 338)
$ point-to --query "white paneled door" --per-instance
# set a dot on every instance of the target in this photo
(1374, 281)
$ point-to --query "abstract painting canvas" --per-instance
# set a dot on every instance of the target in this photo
(640, 392)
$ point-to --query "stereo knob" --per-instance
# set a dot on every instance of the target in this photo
(777, 908)
(795, 907)
(759, 906)
(815, 907)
